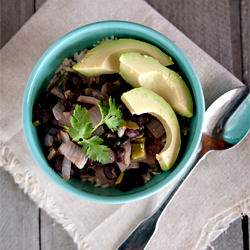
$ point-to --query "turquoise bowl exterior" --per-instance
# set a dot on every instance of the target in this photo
(85, 37)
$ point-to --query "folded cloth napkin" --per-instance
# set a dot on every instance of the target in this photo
(217, 192)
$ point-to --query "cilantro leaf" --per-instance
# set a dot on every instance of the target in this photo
(95, 150)
(81, 125)
(104, 110)
(81, 129)
(111, 115)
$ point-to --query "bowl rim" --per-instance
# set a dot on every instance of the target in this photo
(137, 195)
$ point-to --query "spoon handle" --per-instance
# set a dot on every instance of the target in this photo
(142, 234)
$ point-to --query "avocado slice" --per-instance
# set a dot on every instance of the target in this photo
(104, 58)
(141, 70)
(142, 100)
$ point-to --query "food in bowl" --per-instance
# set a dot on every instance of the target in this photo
(94, 126)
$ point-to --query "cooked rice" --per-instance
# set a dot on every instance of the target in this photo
(79, 57)
(106, 39)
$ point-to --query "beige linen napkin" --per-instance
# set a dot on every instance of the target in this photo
(216, 193)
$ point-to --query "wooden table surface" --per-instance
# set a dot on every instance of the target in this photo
(220, 27)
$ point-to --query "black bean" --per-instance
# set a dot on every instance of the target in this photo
(74, 171)
(42, 115)
(76, 82)
(141, 118)
(49, 101)
(65, 85)
(120, 155)
(58, 164)
(53, 131)
(111, 135)
(84, 78)
(131, 180)
(111, 172)
(72, 108)
(114, 143)
(54, 122)
(131, 133)
(56, 142)
(90, 162)
(143, 168)
(91, 171)
(108, 78)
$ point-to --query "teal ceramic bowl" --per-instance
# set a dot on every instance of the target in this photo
(85, 37)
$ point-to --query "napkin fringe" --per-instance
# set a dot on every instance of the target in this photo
(31, 187)
(212, 229)
(220, 222)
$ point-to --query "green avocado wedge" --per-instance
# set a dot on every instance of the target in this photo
(142, 100)
(104, 58)
(142, 70)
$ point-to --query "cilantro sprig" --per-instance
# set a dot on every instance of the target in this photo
(111, 115)
(81, 129)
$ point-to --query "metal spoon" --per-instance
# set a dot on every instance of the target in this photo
(212, 139)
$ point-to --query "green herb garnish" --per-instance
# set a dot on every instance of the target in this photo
(111, 115)
(81, 129)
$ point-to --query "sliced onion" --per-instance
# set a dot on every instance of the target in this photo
(155, 128)
(73, 153)
(66, 167)
(122, 166)
(57, 92)
(67, 93)
(121, 131)
(64, 136)
(87, 99)
(95, 115)
(65, 119)
(105, 88)
(127, 156)
(57, 111)
(52, 153)
(48, 140)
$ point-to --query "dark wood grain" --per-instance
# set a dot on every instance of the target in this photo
(236, 38)
(208, 24)
(53, 237)
(14, 13)
(231, 239)
(249, 231)
(245, 39)
(19, 227)
(39, 3)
